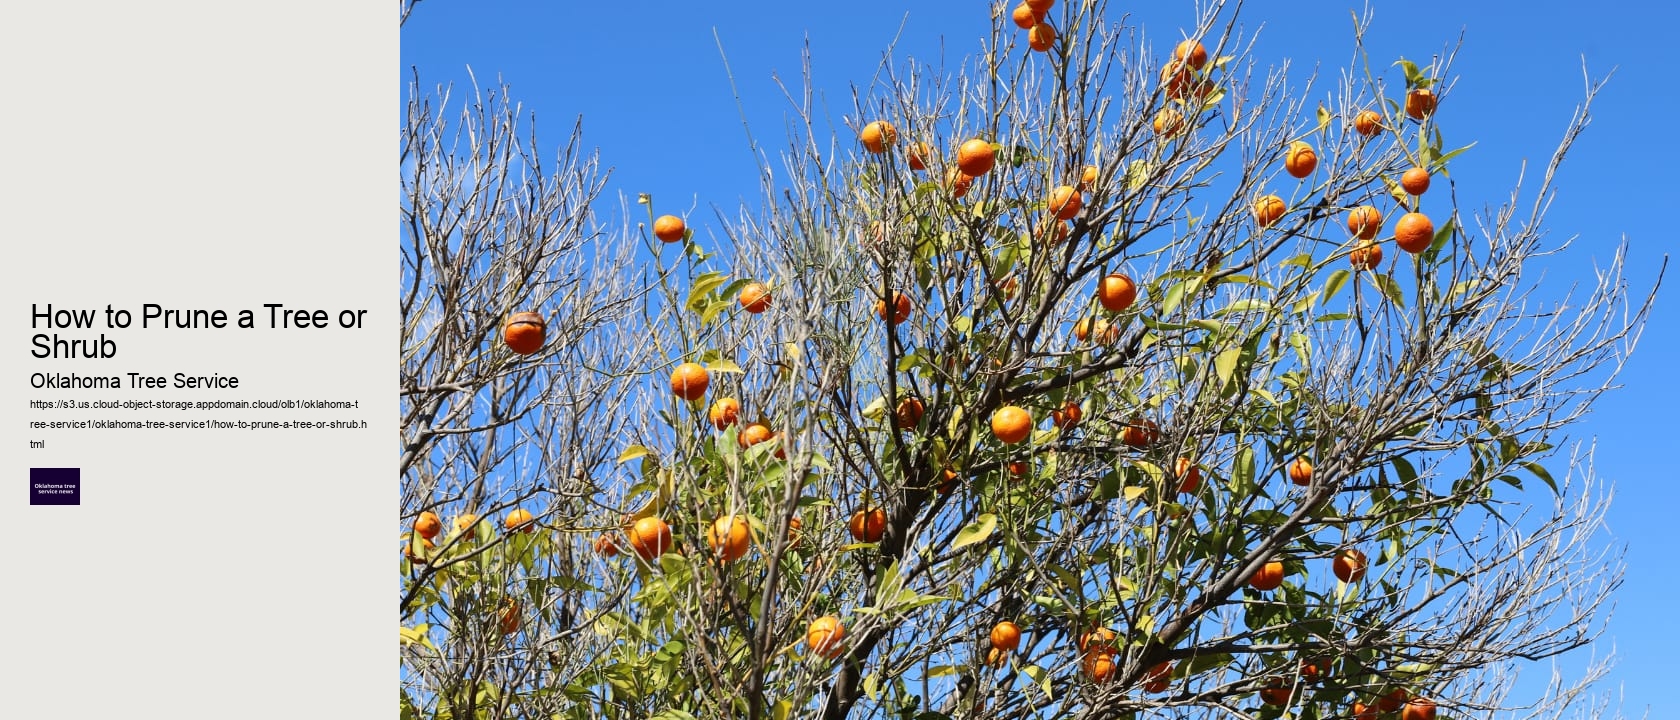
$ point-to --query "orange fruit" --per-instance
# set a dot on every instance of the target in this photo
(957, 182)
(1368, 255)
(1300, 471)
(1052, 231)
(1025, 17)
(1191, 53)
(1414, 232)
(754, 434)
(878, 136)
(1275, 693)
(1116, 292)
(996, 657)
(1309, 671)
(1158, 677)
(1418, 708)
(689, 381)
(1006, 636)
(523, 332)
(464, 522)
(1176, 78)
(950, 483)
(508, 621)
(1068, 416)
(669, 228)
(868, 525)
(1361, 711)
(824, 636)
(729, 537)
(1065, 202)
(1364, 222)
(1008, 286)
(909, 412)
(975, 157)
(1420, 104)
(1088, 178)
(606, 545)
(1392, 701)
(1040, 6)
(1368, 123)
(1268, 577)
(1349, 566)
(1415, 181)
(428, 525)
(1268, 209)
(1011, 424)
(519, 519)
(793, 534)
(1140, 433)
(1300, 160)
(650, 537)
(1100, 666)
(1041, 37)
(755, 298)
(426, 548)
(1100, 640)
(1189, 476)
(901, 308)
(1019, 469)
(724, 412)
(1169, 122)
(919, 154)
(1099, 328)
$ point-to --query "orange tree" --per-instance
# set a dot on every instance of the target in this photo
(1100, 378)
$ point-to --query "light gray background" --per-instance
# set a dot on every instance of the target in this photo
(203, 155)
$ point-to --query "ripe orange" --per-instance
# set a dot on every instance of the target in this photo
(1088, 178)
(781, 444)
(1189, 476)
(508, 621)
(1418, 708)
(1098, 328)
(464, 523)
(1052, 231)
(975, 157)
(909, 412)
(901, 308)
(519, 519)
(957, 182)
(1392, 700)
(824, 636)
(996, 657)
(428, 525)
(1006, 636)
(1176, 78)
(669, 228)
(1008, 286)
(1169, 122)
(426, 548)
(754, 434)
(650, 537)
(1116, 292)
(1192, 53)
(868, 525)
(1158, 677)
(523, 332)
(689, 381)
(878, 136)
(729, 537)
(1041, 6)
(1041, 37)
(1068, 416)
(919, 153)
(1065, 202)
(1100, 666)
(1349, 566)
(1099, 640)
(724, 412)
(1364, 222)
(1025, 17)
(1420, 104)
(1415, 181)
(950, 483)
(606, 545)
(1019, 469)
(1414, 232)
(1268, 209)
(1368, 255)
(755, 298)
(1368, 123)
(1361, 711)
(1011, 424)
(1268, 577)
(793, 533)
(1300, 160)
(1140, 433)
(1309, 671)
(1300, 471)
(1275, 693)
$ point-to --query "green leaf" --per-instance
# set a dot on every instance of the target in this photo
(723, 366)
(1041, 677)
(1334, 283)
(1540, 471)
(1225, 365)
(976, 531)
(632, 452)
(1389, 288)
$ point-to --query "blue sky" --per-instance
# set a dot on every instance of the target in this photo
(648, 81)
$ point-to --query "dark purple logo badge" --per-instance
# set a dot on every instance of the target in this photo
(55, 486)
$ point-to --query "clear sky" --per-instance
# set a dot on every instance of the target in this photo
(650, 86)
